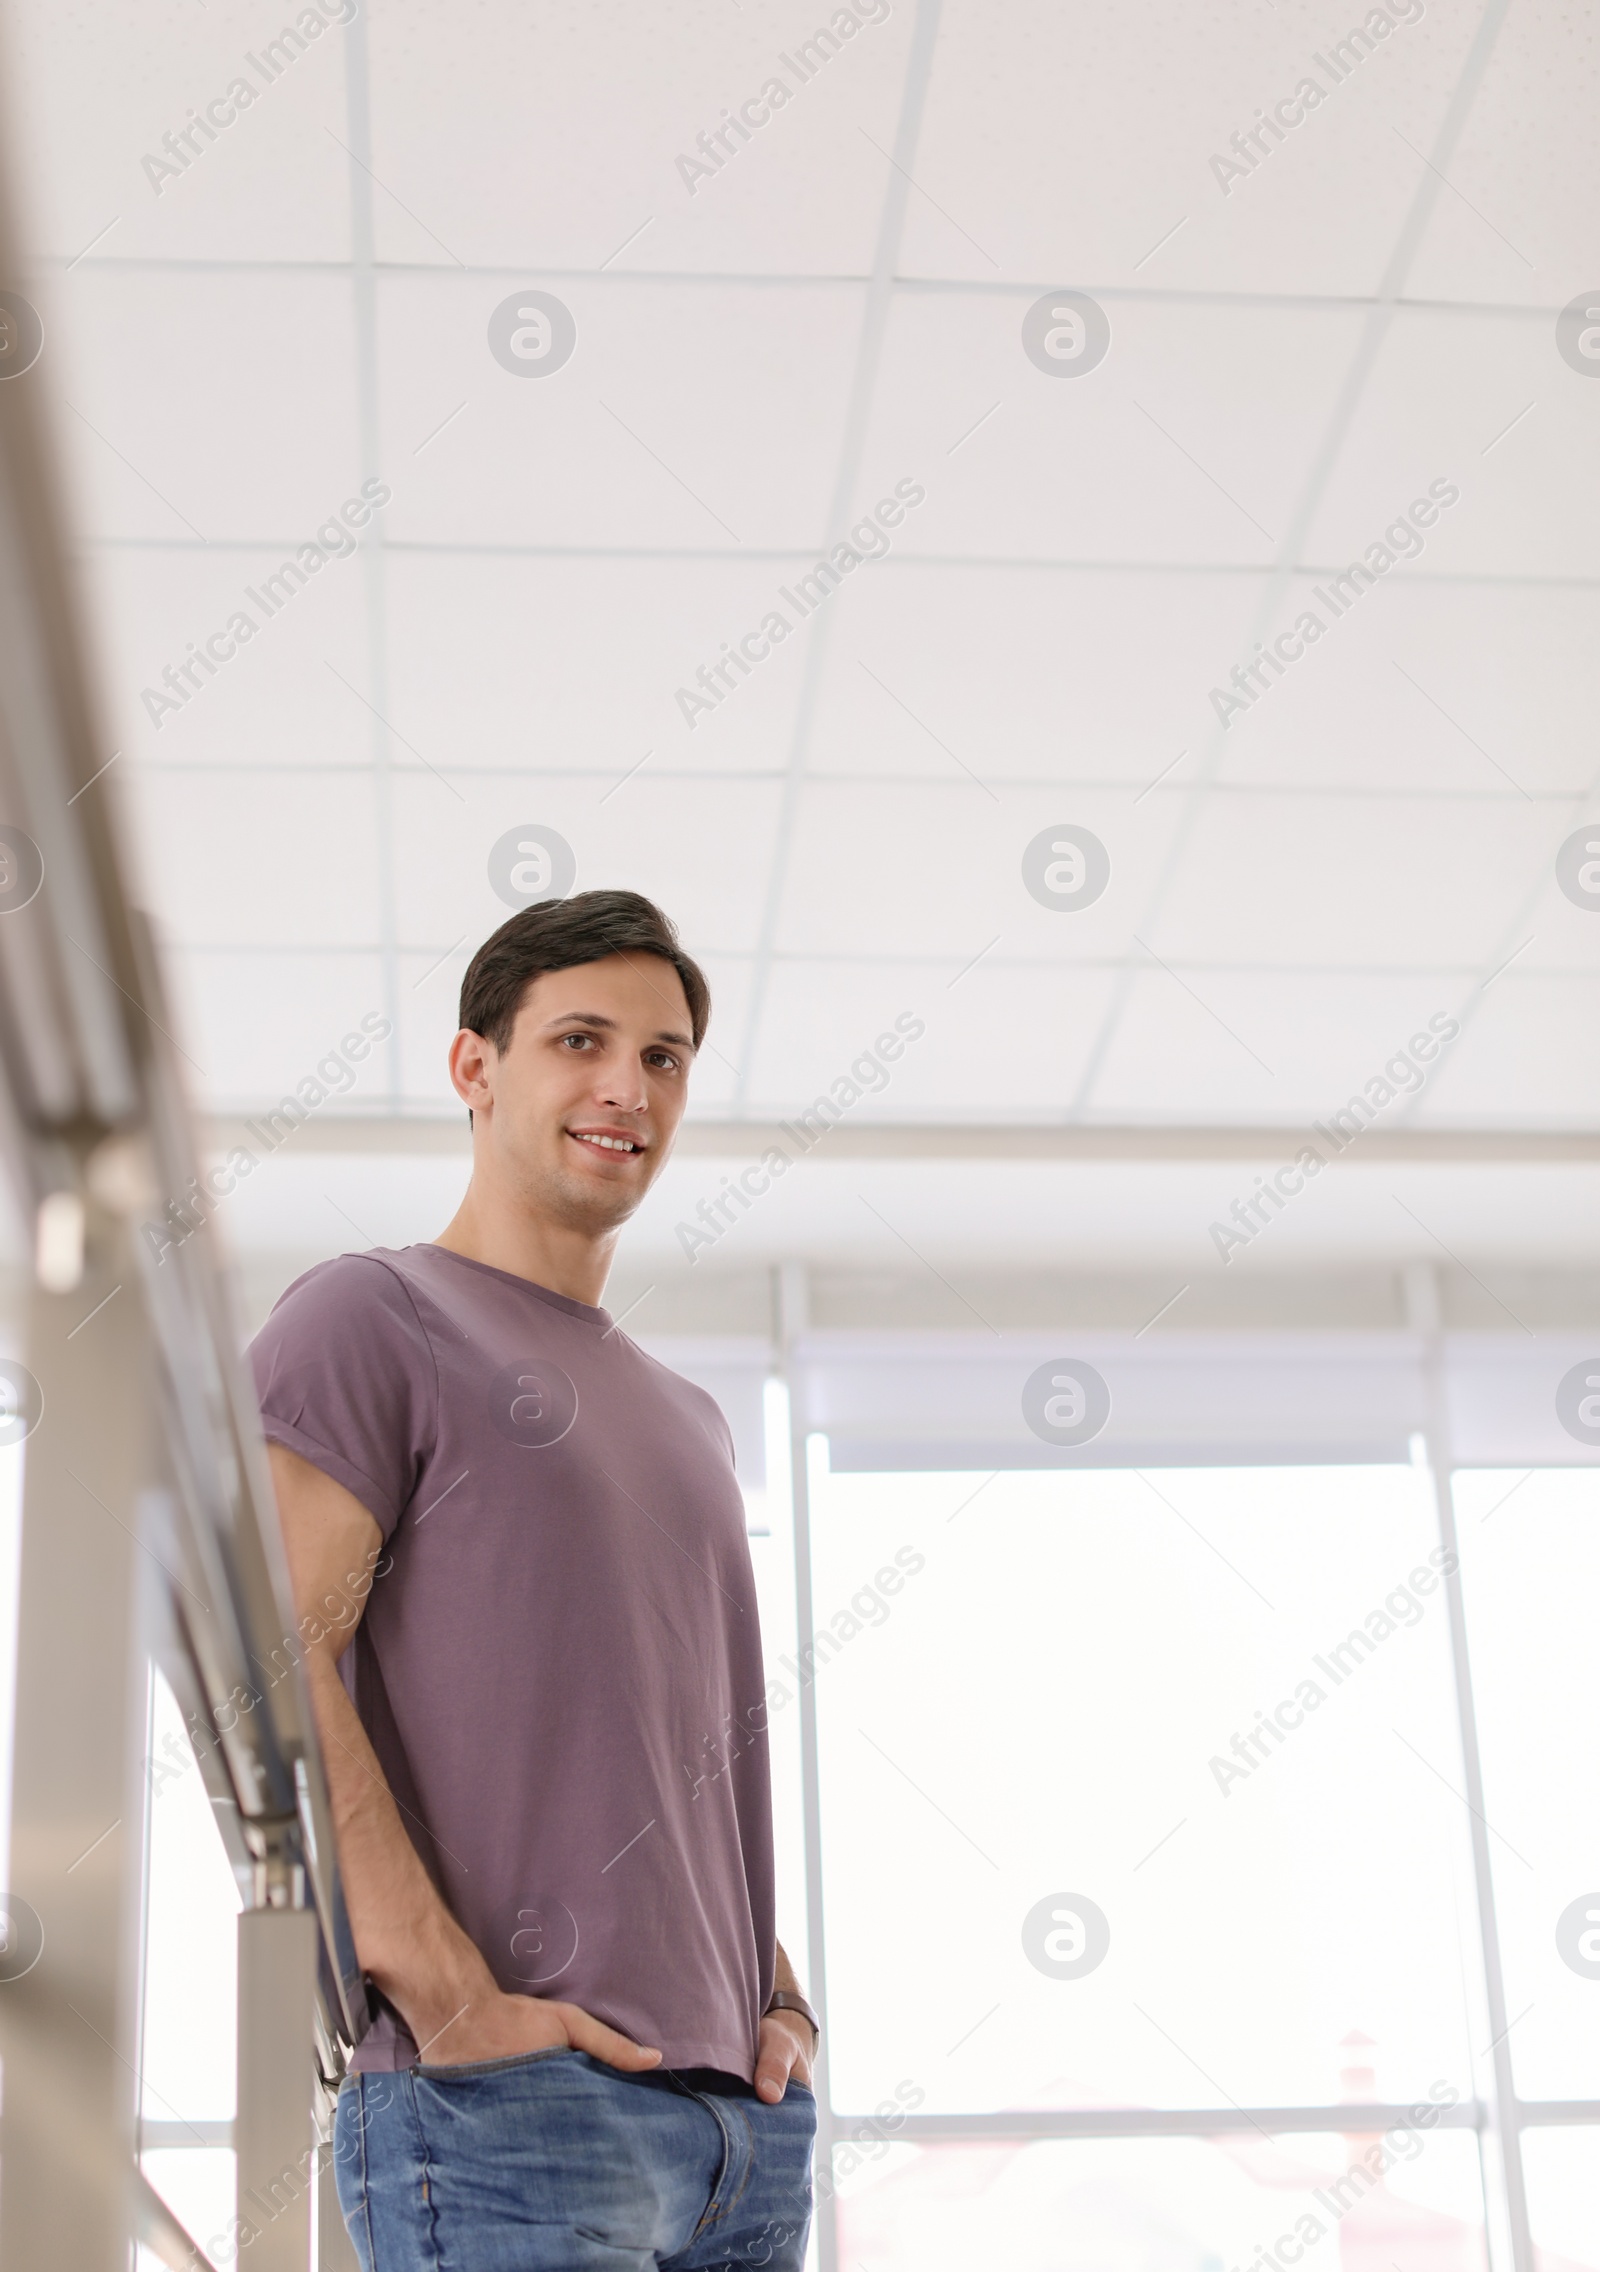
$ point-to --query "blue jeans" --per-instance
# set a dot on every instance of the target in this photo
(555, 2162)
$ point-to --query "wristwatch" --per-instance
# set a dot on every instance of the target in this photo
(782, 2001)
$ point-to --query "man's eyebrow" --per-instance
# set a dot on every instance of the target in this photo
(609, 1025)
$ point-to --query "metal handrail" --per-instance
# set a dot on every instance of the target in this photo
(213, 1432)
(99, 1118)
(98, 1132)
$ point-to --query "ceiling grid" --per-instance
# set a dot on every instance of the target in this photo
(305, 308)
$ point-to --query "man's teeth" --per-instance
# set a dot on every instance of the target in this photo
(609, 1143)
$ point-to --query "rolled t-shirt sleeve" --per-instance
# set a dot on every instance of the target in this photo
(346, 1377)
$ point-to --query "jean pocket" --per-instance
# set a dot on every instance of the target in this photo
(472, 2068)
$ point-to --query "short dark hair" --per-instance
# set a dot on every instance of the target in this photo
(558, 934)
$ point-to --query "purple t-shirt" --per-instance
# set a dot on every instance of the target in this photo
(560, 1664)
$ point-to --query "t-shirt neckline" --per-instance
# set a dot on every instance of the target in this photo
(586, 1311)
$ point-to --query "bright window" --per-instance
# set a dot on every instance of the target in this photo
(1049, 1704)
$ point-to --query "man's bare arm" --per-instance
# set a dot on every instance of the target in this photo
(405, 1936)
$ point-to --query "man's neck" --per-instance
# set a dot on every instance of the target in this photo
(552, 1255)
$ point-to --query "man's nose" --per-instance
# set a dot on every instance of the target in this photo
(622, 1089)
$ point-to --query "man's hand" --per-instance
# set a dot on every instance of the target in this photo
(492, 2025)
(783, 2048)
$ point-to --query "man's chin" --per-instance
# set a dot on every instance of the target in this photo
(580, 1204)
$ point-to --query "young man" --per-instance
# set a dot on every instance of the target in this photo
(524, 1546)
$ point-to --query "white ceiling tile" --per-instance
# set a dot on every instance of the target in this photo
(1062, 146)
(107, 87)
(575, 666)
(210, 403)
(1283, 1047)
(1516, 222)
(250, 860)
(1361, 885)
(254, 1026)
(1481, 403)
(293, 689)
(1076, 675)
(1428, 682)
(695, 417)
(1524, 1060)
(934, 871)
(1565, 931)
(568, 124)
(427, 994)
(1190, 442)
(1010, 1040)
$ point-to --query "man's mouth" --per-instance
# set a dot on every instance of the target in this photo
(621, 1145)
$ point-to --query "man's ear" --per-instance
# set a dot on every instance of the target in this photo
(471, 1062)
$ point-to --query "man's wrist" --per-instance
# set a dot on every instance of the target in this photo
(429, 2007)
(789, 2000)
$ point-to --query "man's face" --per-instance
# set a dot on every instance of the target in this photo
(581, 1109)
